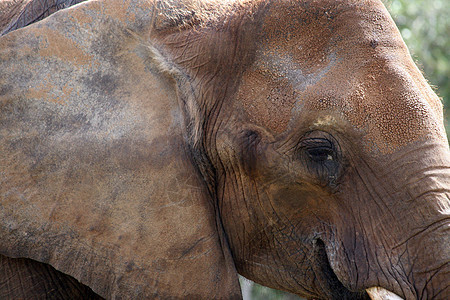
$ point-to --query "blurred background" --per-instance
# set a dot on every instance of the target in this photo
(425, 27)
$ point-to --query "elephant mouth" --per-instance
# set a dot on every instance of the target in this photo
(337, 288)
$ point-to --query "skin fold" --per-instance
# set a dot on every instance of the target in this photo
(20, 13)
(156, 149)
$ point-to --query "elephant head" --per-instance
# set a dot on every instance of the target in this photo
(158, 148)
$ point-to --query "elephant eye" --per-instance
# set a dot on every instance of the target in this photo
(319, 152)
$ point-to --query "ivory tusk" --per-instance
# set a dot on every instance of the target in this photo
(378, 293)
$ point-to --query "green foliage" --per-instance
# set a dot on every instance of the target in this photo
(261, 292)
(254, 291)
(425, 27)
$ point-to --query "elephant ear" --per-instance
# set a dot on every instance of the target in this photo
(96, 174)
(20, 13)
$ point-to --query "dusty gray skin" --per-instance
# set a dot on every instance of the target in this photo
(157, 149)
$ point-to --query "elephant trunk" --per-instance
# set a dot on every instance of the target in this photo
(400, 238)
(425, 259)
(430, 263)
(421, 270)
(426, 250)
(420, 249)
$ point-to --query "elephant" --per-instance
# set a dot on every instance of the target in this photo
(157, 149)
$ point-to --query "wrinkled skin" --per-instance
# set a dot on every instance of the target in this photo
(16, 14)
(158, 149)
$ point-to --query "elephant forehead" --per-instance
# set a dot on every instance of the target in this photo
(387, 104)
(343, 61)
(270, 91)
